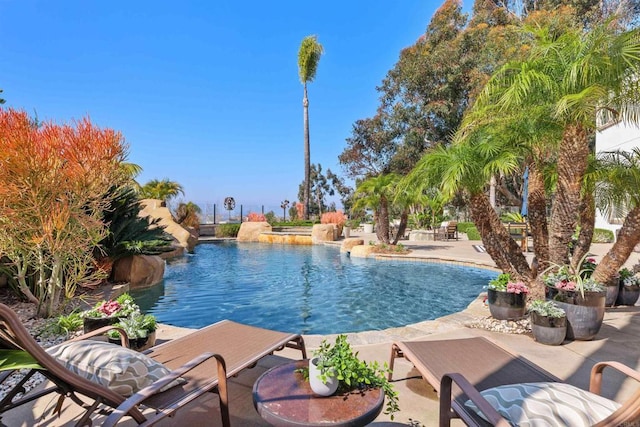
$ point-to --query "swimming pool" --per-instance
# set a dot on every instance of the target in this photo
(306, 289)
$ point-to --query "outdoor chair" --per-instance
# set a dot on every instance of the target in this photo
(448, 231)
(193, 365)
(472, 375)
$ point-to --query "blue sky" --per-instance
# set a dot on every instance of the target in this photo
(207, 93)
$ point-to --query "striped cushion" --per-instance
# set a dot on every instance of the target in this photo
(122, 370)
(546, 405)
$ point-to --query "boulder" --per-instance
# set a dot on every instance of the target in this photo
(250, 231)
(349, 243)
(139, 270)
(362, 251)
(156, 209)
(323, 233)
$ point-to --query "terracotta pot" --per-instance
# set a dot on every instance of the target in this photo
(548, 330)
(506, 305)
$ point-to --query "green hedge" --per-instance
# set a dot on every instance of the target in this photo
(473, 233)
(297, 223)
(464, 226)
(227, 230)
(600, 235)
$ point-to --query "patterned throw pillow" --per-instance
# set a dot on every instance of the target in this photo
(122, 370)
(546, 405)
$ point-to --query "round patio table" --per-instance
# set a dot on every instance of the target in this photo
(283, 398)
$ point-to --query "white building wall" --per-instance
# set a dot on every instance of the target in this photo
(609, 138)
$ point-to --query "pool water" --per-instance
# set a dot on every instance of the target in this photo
(306, 289)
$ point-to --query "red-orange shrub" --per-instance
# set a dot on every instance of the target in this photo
(337, 217)
(256, 217)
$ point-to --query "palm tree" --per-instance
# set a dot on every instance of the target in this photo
(308, 58)
(572, 76)
(162, 190)
(619, 190)
(188, 214)
(376, 193)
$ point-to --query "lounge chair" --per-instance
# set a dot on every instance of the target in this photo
(461, 369)
(202, 360)
(448, 231)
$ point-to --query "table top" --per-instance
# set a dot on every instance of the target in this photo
(283, 397)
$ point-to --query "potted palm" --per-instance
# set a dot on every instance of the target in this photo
(629, 288)
(507, 298)
(548, 322)
(337, 368)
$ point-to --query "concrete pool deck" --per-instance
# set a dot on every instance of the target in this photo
(619, 339)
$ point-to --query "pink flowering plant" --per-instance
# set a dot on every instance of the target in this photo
(123, 306)
(566, 278)
(504, 283)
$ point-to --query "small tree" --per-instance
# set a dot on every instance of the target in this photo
(53, 185)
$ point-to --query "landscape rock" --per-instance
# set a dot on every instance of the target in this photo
(250, 231)
(155, 209)
(349, 243)
(323, 233)
(363, 251)
(139, 270)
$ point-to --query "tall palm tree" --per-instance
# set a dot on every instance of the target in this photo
(619, 190)
(162, 190)
(308, 58)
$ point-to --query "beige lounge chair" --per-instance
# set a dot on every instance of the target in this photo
(460, 369)
(448, 231)
(203, 359)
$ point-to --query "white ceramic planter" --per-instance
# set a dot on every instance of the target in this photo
(368, 228)
(318, 387)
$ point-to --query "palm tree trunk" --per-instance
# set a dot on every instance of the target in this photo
(382, 227)
(628, 237)
(404, 219)
(572, 164)
(537, 215)
(587, 226)
(307, 155)
(504, 251)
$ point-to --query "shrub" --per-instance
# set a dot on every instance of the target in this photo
(473, 233)
(227, 230)
(270, 217)
(256, 217)
(600, 235)
(337, 217)
(464, 226)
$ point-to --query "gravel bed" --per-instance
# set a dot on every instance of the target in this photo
(521, 326)
(38, 328)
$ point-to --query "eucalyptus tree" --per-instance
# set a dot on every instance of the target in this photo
(619, 190)
(161, 189)
(308, 57)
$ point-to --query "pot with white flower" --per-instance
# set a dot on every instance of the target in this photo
(507, 298)
(548, 322)
(583, 300)
(629, 289)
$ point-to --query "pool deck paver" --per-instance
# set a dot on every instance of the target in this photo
(619, 339)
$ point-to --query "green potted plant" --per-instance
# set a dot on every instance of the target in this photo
(580, 296)
(507, 298)
(629, 288)
(338, 363)
(548, 322)
(106, 313)
(140, 329)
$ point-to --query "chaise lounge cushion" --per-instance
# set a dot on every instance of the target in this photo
(546, 405)
(122, 370)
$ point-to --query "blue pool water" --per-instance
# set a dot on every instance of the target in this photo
(306, 289)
